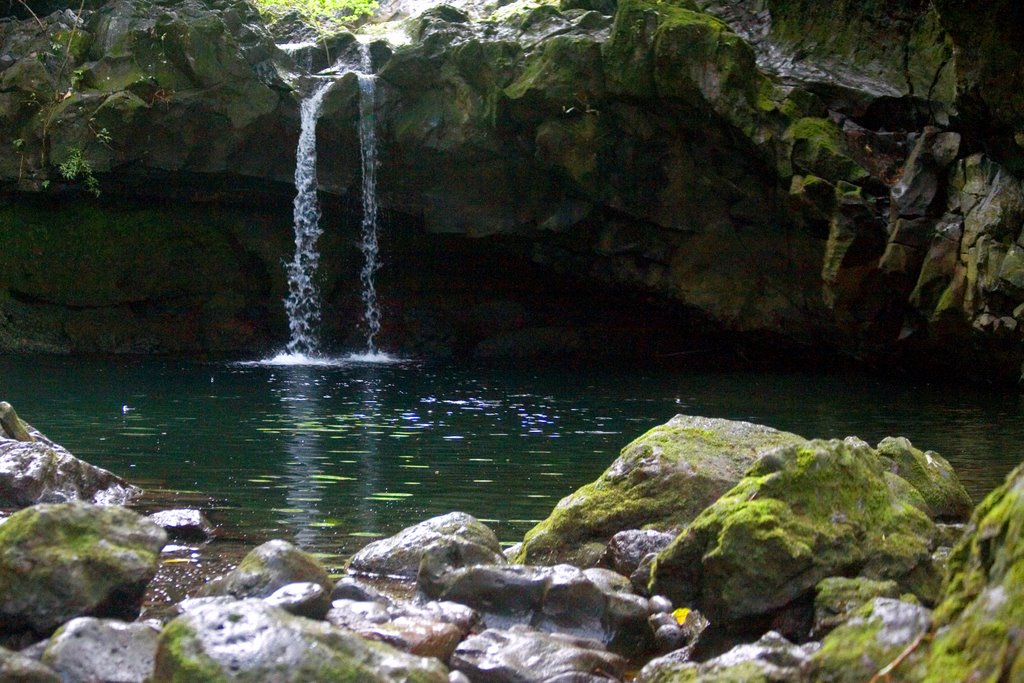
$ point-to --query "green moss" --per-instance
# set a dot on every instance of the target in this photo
(984, 592)
(177, 663)
(820, 149)
(661, 480)
(931, 475)
(800, 515)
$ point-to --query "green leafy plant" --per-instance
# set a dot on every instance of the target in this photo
(76, 167)
(324, 15)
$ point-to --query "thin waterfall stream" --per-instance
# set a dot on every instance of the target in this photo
(303, 301)
(369, 244)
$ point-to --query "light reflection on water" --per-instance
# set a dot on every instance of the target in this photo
(331, 456)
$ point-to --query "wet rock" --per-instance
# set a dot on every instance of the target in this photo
(348, 588)
(522, 655)
(678, 629)
(662, 480)
(837, 598)
(558, 599)
(771, 659)
(88, 650)
(184, 524)
(267, 568)
(980, 613)
(418, 636)
(17, 668)
(40, 471)
(249, 640)
(873, 638)
(74, 559)
(931, 475)
(627, 548)
(12, 425)
(305, 599)
(454, 540)
(802, 514)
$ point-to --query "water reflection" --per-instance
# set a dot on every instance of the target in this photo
(296, 388)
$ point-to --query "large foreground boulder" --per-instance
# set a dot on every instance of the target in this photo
(979, 622)
(802, 513)
(662, 480)
(34, 469)
(251, 641)
(86, 650)
(68, 560)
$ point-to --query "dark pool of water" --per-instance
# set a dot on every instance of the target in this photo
(331, 457)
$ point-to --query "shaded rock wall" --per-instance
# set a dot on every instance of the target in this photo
(842, 175)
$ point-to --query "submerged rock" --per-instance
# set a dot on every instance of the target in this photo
(662, 480)
(522, 655)
(269, 567)
(801, 514)
(452, 540)
(37, 470)
(251, 641)
(68, 560)
(88, 650)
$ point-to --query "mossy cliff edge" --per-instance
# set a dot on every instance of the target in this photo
(843, 174)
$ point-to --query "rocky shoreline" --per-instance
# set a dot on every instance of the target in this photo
(710, 550)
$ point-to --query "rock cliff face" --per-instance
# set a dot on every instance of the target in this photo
(840, 174)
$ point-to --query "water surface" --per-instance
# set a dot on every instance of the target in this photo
(331, 457)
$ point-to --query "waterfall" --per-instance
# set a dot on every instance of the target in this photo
(303, 301)
(368, 150)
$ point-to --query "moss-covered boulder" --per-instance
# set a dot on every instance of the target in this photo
(67, 560)
(662, 480)
(267, 568)
(872, 639)
(979, 620)
(249, 641)
(837, 598)
(801, 514)
(931, 475)
(771, 659)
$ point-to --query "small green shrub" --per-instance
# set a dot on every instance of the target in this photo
(76, 167)
(324, 15)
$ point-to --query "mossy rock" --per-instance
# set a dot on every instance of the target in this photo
(872, 639)
(801, 514)
(17, 668)
(662, 480)
(931, 475)
(819, 149)
(249, 641)
(69, 560)
(979, 620)
(268, 567)
(837, 598)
